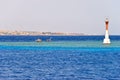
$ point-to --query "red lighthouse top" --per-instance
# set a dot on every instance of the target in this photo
(106, 22)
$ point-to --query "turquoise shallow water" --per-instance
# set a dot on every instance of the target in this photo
(60, 60)
(61, 45)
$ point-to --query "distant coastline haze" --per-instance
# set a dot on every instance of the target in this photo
(73, 16)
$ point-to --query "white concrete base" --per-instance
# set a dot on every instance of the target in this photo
(106, 41)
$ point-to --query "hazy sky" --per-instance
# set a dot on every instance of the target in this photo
(82, 16)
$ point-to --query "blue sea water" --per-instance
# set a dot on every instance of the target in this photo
(64, 58)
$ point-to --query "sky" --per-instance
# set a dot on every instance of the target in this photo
(77, 16)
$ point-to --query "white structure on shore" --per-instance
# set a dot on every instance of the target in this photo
(106, 39)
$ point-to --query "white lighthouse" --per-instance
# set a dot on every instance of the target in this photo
(106, 39)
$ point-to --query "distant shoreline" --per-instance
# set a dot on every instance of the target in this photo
(35, 33)
(57, 35)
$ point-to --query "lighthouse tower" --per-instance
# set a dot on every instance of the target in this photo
(106, 39)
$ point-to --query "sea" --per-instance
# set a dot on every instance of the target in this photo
(63, 58)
